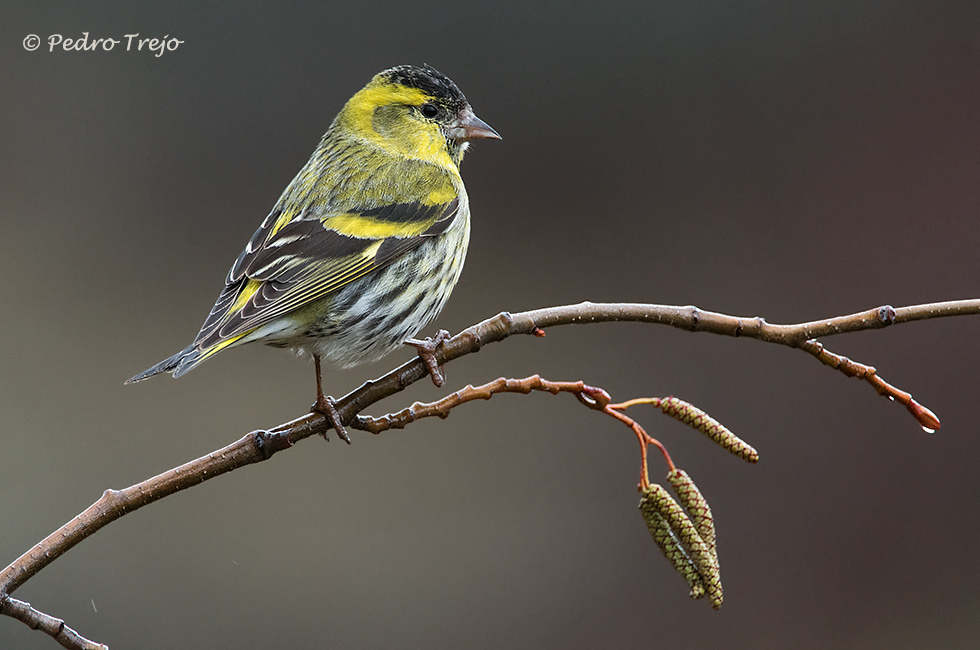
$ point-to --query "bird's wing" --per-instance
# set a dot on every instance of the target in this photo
(291, 263)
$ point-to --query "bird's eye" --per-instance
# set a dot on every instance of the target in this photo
(429, 110)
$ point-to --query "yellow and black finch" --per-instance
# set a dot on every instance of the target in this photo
(366, 243)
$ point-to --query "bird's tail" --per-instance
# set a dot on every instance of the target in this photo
(194, 354)
(167, 365)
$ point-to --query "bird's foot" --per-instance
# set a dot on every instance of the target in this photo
(325, 406)
(427, 352)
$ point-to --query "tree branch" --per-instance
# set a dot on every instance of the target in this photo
(261, 445)
(53, 627)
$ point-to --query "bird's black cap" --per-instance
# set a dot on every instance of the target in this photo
(428, 80)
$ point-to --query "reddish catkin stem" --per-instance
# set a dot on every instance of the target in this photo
(645, 441)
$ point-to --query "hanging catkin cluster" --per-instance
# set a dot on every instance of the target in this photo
(685, 533)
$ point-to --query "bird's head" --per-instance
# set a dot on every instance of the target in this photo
(415, 112)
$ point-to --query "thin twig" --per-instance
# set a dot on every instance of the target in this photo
(926, 418)
(595, 398)
(442, 407)
(53, 627)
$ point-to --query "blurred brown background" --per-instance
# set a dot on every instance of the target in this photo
(795, 160)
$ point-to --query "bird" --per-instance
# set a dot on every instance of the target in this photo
(366, 243)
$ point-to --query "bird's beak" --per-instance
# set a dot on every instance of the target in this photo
(469, 127)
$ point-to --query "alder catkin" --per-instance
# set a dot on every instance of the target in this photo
(696, 506)
(670, 545)
(698, 419)
(683, 527)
